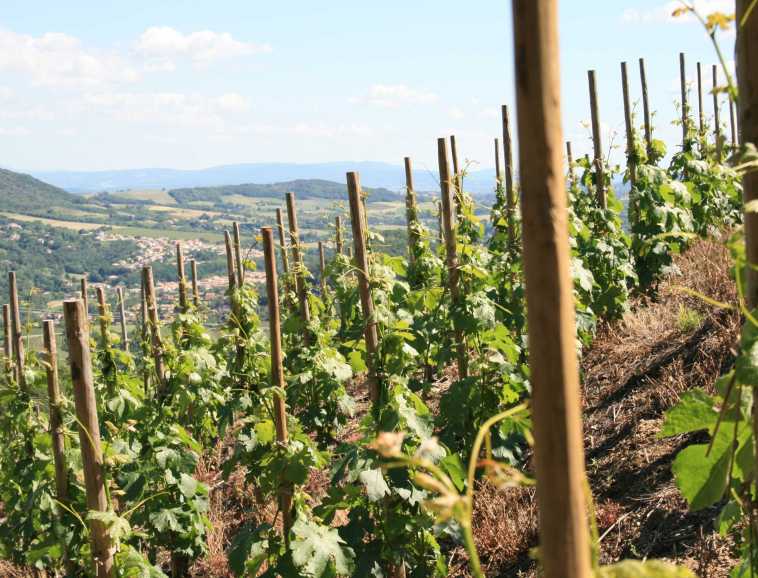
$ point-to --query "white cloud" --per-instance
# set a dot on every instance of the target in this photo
(664, 12)
(306, 129)
(456, 113)
(56, 59)
(5, 93)
(162, 46)
(394, 95)
(14, 131)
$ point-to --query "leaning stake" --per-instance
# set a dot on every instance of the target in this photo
(597, 144)
(122, 318)
(156, 340)
(18, 335)
(558, 450)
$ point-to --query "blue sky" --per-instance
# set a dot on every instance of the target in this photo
(189, 84)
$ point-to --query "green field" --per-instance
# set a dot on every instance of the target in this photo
(73, 225)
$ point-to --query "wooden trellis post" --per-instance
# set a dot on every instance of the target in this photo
(361, 263)
(338, 234)
(7, 339)
(716, 115)
(238, 254)
(17, 331)
(732, 123)
(77, 334)
(153, 326)
(646, 111)
(451, 251)
(456, 170)
(102, 310)
(322, 267)
(685, 105)
(84, 290)
(558, 446)
(411, 210)
(597, 143)
(182, 278)
(508, 168)
(277, 370)
(297, 257)
(122, 318)
(498, 176)
(570, 162)
(631, 158)
(195, 287)
(283, 242)
(700, 110)
(145, 327)
(230, 266)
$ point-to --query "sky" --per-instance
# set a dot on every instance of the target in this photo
(88, 85)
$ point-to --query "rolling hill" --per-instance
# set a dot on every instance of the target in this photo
(25, 194)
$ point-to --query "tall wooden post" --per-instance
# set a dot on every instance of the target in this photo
(646, 111)
(732, 123)
(451, 251)
(570, 162)
(145, 333)
(361, 262)
(322, 267)
(700, 110)
(685, 105)
(102, 311)
(195, 286)
(18, 334)
(182, 278)
(456, 170)
(558, 449)
(631, 156)
(411, 210)
(597, 144)
(56, 414)
(238, 254)
(338, 234)
(7, 339)
(122, 318)
(716, 115)
(77, 334)
(230, 261)
(84, 290)
(277, 370)
(154, 328)
(297, 256)
(498, 176)
(283, 242)
(508, 168)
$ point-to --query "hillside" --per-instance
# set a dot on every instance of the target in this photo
(303, 188)
(23, 193)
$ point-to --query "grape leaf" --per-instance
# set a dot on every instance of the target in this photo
(317, 549)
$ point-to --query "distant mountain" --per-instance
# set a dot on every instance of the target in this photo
(303, 188)
(373, 174)
(25, 194)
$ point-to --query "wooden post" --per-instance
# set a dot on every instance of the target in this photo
(7, 339)
(498, 176)
(411, 211)
(361, 262)
(700, 111)
(646, 111)
(451, 251)
(685, 105)
(102, 311)
(302, 294)
(732, 123)
(155, 330)
(182, 278)
(56, 415)
(570, 161)
(195, 286)
(277, 370)
(597, 144)
(84, 290)
(77, 335)
(440, 225)
(508, 167)
(456, 170)
(230, 267)
(238, 254)
(17, 331)
(716, 115)
(338, 234)
(558, 448)
(283, 242)
(122, 318)
(631, 159)
(145, 328)
(322, 267)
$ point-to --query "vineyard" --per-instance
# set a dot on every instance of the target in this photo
(354, 413)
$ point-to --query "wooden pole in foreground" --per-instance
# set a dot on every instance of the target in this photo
(277, 370)
(646, 111)
(631, 159)
(411, 210)
(685, 105)
(17, 331)
(558, 447)
(77, 335)
(716, 115)
(182, 278)
(195, 286)
(230, 268)
(238, 254)
(361, 262)
(700, 110)
(122, 318)
(155, 331)
(508, 168)
(102, 311)
(338, 234)
(7, 340)
(451, 251)
(297, 256)
(597, 144)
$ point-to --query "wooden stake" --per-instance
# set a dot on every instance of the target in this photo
(498, 176)
(456, 171)
(338, 234)
(685, 105)
(558, 448)
(570, 161)
(145, 328)
(451, 251)
(102, 311)
(302, 294)
(238, 254)
(84, 289)
(77, 335)
(716, 115)
(277, 370)
(195, 287)
(230, 267)
(646, 111)
(283, 242)
(631, 159)
(122, 318)
(56, 415)
(508, 167)
(322, 267)
(154, 328)
(700, 111)
(17, 331)
(732, 123)
(182, 278)
(361, 262)
(597, 144)
(7, 339)
(411, 211)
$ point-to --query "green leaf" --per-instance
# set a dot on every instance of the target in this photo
(188, 485)
(265, 432)
(356, 361)
(318, 549)
(728, 516)
(165, 520)
(694, 412)
(373, 481)
(703, 479)
(636, 569)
